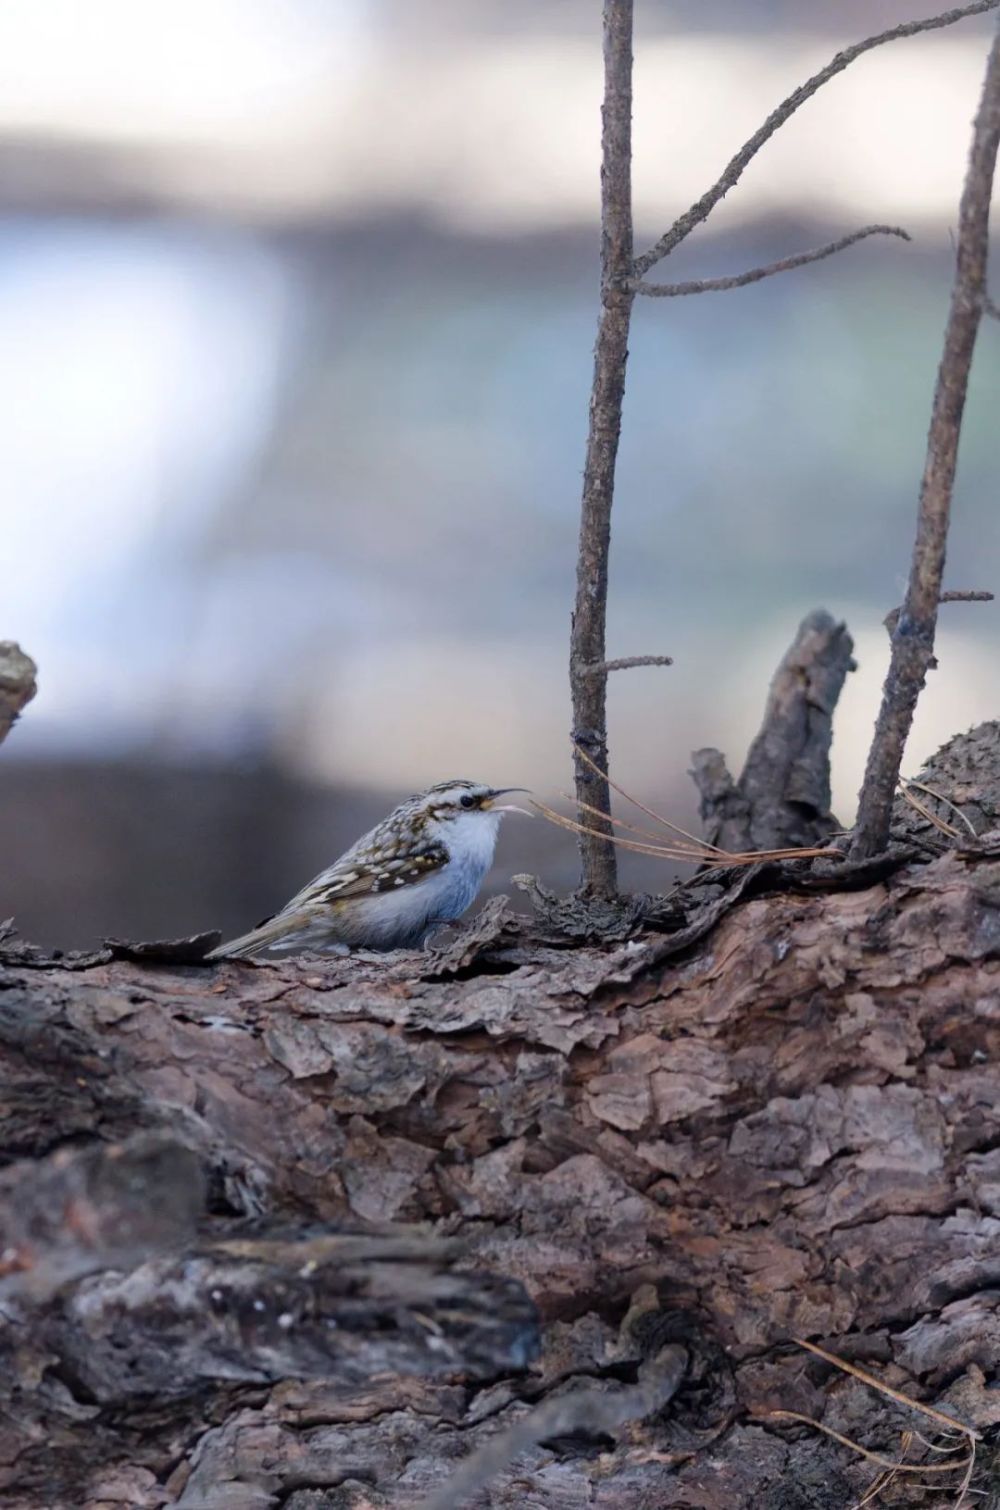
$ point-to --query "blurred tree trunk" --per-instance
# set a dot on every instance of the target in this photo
(785, 1122)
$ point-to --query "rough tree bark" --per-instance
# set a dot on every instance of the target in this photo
(778, 1120)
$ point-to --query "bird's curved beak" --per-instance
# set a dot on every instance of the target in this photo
(491, 804)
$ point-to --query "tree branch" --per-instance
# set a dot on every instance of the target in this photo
(741, 280)
(589, 688)
(627, 663)
(17, 684)
(733, 171)
(953, 595)
(331, 1305)
(913, 636)
(621, 281)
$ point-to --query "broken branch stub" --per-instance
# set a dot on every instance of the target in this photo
(17, 684)
(782, 798)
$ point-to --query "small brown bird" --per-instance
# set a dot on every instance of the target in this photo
(421, 866)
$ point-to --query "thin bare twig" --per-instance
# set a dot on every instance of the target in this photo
(966, 595)
(731, 174)
(913, 636)
(953, 595)
(627, 663)
(662, 851)
(936, 1446)
(741, 280)
(963, 1488)
(587, 638)
(588, 668)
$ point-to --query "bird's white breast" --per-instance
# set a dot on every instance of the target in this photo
(470, 840)
(401, 915)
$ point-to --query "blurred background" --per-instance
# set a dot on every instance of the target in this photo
(297, 302)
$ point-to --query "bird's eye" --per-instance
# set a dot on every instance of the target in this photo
(467, 801)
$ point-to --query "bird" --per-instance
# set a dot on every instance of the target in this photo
(421, 866)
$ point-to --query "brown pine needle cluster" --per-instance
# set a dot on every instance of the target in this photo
(909, 787)
(680, 846)
(889, 1468)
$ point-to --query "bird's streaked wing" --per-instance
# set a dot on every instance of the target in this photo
(384, 866)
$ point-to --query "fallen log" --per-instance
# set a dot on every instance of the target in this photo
(787, 1129)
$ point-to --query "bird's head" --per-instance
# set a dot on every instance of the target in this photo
(468, 802)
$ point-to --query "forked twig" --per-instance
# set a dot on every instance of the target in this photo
(756, 274)
(620, 270)
(733, 171)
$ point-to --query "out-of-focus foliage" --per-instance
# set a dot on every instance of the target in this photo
(297, 303)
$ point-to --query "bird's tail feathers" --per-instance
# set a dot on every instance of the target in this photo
(263, 937)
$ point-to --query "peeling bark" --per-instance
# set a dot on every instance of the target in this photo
(786, 1125)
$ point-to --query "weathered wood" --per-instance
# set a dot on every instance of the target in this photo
(782, 798)
(787, 1129)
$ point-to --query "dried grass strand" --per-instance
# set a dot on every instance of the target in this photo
(883, 1480)
(963, 1488)
(711, 858)
(663, 822)
(935, 1446)
(921, 807)
(865, 1452)
(588, 807)
(662, 851)
(946, 801)
(948, 1422)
